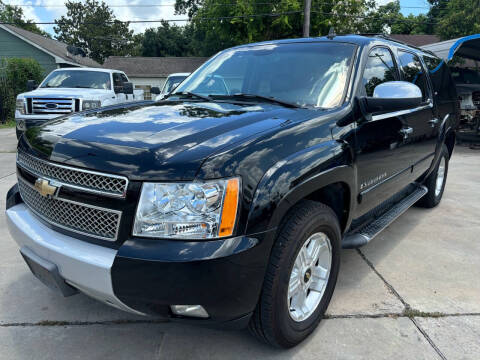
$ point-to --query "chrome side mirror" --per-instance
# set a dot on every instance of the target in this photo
(393, 96)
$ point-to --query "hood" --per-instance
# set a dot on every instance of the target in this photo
(65, 92)
(161, 141)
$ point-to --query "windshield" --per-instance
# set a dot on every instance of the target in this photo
(172, 80)
(78, 79)
(465, 76)
(305, 74)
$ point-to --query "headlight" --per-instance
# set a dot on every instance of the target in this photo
(20, 106)
(91, 104)
(194, 210)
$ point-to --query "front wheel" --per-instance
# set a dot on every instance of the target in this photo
(301, 276)
(436, 181)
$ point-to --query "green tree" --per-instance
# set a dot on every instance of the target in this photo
(11, 14)
(165, 40)
(459, 18)
(216, 25)
(92, 26)
(14, 74)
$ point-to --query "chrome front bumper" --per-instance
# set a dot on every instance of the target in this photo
(83, 265)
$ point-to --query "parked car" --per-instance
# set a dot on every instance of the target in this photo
(69, 90)
(231, 209)
(468, 89)
(173, 80)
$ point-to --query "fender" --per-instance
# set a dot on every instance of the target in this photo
(297, 176)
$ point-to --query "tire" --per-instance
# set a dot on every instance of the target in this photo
(434, 195)
(273, 321)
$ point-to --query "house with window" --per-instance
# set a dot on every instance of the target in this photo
(50, 54)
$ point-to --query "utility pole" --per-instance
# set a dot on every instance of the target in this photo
(307, 4)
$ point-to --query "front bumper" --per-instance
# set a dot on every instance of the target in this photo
(83, 265)
(225, 277)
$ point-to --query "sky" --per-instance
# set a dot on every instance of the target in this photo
(129, 10)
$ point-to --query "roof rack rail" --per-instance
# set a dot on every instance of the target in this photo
(386, 37)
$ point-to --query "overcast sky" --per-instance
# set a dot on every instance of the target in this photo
(49, 10)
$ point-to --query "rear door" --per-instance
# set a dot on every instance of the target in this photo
(422, 122)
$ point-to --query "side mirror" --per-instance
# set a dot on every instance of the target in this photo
(393, 96)
(31, 85)
(127, 88)
(155, 90)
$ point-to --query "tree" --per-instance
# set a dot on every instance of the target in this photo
(388, 19)
(11, 14)
(459, 18)
(92, 26)
(165, 40)
(216, 25)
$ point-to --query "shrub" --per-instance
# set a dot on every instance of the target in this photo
(14, 74)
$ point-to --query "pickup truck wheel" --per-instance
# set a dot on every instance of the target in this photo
(435, 182)
(300, 277)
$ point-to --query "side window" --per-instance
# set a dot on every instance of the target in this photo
(117, 80)
(413, 72)
(124, 78)
(380, 68)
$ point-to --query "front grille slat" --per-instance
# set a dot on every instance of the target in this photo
(105, 184)
(81, 218)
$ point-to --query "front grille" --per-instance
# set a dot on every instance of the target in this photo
(476, 98)
(81, 218)
(52, 106)
(106, 184)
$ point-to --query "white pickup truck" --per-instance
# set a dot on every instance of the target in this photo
(69, 90)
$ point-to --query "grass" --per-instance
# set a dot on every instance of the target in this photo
(8, 124)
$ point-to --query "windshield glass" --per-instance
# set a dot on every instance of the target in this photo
(172, 80)
(78, 79)
(305, 74)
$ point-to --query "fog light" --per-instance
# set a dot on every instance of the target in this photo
(189, 310)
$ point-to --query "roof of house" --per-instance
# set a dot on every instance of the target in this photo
(54, 48)
(415, 40)
(153, 66)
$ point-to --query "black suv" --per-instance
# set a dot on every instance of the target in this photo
(228, 203)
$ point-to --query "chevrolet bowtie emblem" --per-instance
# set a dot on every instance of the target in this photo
(44, 188)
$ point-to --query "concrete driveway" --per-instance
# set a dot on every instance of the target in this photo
(413, 293)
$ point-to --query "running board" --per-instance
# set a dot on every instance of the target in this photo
(367, 232)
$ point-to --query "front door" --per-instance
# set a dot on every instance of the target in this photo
(421, 123)
(383, 164)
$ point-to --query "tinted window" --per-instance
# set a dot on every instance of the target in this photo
(77, 79)
(412, 71)
(380, 68)
(314, 74)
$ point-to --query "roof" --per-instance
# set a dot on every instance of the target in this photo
(137, 66)
(415, 40)
(54, 48)
(467, 47)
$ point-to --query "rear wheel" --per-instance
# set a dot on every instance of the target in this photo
(301, 276)
(436, 181)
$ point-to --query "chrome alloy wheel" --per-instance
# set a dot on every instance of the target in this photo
(309, 276)
(440, 177)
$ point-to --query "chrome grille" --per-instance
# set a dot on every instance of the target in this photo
(52, 106)
(110, 185)
(81, 218)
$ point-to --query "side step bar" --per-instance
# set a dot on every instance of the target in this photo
(367, 232)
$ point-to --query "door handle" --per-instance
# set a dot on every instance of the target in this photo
(433, 122)
(406, 131)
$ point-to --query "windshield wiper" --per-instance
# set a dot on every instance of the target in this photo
(241, 96)
(192, 95)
